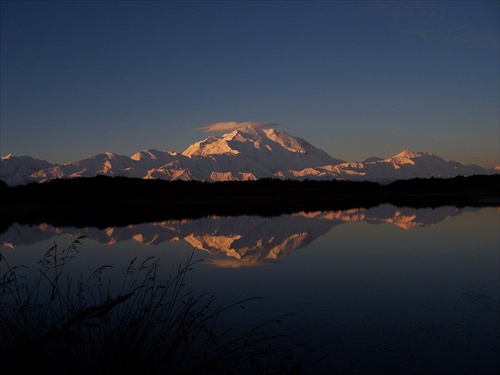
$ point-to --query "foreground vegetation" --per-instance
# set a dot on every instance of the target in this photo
(60, 324)
(111, 201)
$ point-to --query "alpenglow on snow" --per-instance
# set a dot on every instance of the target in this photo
(248, 153)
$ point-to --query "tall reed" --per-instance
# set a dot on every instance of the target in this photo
(60, 323)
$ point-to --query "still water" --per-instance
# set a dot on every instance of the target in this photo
(380, 290)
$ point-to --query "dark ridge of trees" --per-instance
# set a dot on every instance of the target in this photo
(113, 201)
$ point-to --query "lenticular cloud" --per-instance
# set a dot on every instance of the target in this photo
(233, 125)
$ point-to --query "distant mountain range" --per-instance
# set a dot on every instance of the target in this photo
(245, 154)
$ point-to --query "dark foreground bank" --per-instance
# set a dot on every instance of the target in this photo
(113, 201)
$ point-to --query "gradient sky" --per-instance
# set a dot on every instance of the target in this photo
(356, 79)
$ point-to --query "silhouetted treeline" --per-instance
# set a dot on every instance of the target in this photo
(107, 201)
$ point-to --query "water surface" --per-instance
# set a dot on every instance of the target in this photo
(380, 290)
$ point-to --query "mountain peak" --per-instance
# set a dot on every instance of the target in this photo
(110, 155)
(247, 130)
(408, 154)
(263, 147)
(269, 137)
(289, 143)
(209, 146)
(148, 153)
(412, 155)
(7, 157)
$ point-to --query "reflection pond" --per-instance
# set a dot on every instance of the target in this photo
(379, 290)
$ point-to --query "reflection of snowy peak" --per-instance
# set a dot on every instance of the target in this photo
(256, 239)
(248, 239)
(244, 154)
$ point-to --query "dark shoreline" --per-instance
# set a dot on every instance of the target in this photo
(106, 201)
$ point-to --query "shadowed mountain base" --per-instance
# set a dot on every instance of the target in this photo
(107, 201)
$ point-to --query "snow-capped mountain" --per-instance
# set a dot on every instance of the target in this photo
(248, 153)
(17, 170)
(404, 165)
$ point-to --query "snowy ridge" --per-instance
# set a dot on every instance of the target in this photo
(17, 170)
(248, 153)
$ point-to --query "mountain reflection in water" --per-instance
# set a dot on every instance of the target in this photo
(415, 294)
(245, 240)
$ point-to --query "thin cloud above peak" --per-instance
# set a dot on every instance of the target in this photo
(233, 125)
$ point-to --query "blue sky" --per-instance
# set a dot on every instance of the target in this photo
(356, 79)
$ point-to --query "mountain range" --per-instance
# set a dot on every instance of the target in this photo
(248, 153)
